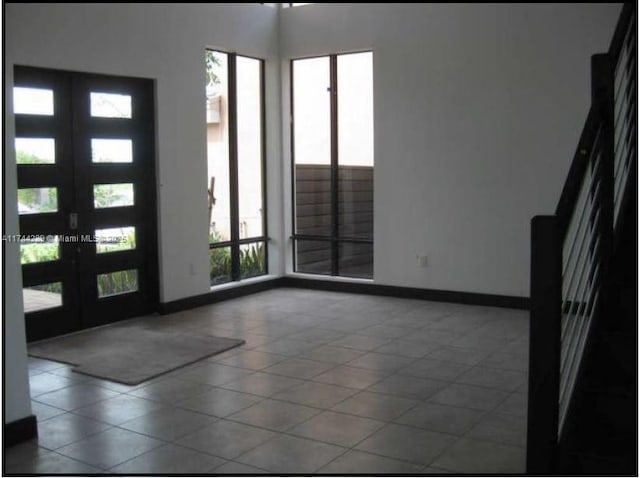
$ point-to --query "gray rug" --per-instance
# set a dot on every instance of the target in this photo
(128, 352)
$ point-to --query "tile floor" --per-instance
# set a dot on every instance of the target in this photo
(327, 382)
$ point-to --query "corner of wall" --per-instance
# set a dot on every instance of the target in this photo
(17, 403)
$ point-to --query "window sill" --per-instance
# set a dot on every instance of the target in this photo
(234, 284)
(351, 280)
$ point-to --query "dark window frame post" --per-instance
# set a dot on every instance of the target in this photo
(335, 208)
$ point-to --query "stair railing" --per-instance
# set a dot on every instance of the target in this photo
(572, 250)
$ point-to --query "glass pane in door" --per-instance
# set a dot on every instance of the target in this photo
(111, 150)
(42, 297)
(37, 200)
(113, 195)
(37, 252)
(35, 150)
(115, 239)
(119, 282)
(32, 101)
(109, 105)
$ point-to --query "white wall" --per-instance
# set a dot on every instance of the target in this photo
(477, 112)
(16, 391)
(165, 42)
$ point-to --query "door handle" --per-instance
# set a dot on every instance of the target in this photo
(73, 220)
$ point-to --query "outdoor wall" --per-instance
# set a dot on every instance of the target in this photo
(165, 42)
(477, 112)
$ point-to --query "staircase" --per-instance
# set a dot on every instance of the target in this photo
(601, 436)
(582, 408)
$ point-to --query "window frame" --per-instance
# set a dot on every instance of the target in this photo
(235, 241)
(335, 239)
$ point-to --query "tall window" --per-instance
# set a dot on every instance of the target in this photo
(235, 165)
(332, 108)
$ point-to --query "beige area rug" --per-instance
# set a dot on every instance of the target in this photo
(130, 352)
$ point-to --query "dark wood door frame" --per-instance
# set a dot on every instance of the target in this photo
(74, 174)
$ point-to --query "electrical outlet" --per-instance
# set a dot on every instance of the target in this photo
(192, 269)
(422, 260)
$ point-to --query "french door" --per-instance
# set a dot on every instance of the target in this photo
(86, 198)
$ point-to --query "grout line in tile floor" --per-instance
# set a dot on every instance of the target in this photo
(511, 336)
(484, 413)
(356, 390)
(286, 432)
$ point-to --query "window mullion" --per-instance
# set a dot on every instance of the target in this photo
(294, 205)
(233, 169)
(333, 74)
(263, 163)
